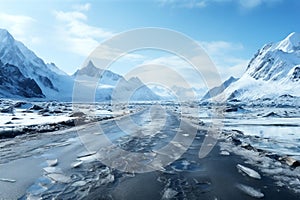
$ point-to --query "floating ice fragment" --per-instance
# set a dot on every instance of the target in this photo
(7, 180)
(52, 170)
(33, 197)
(250, 191)
(273, 170)
(76, 164)
(89, 158)
(108, 179)
(85, 154)
(79, 184)
(169, 194)
(224, 153)
(52, 163)
(248, 171)
(59, 178)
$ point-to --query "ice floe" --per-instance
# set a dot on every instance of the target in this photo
(169, 194)
(59, 178)
(52, 163)
(248, 171)
(7, 180)
(250, 191)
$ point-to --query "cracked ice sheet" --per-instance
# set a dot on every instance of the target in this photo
(28, 173)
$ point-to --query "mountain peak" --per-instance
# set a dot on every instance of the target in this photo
(290, 44)
(5, 36)
(4, 32)
(90, 70)
(90, 64)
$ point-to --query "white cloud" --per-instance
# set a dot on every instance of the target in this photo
(82, 7)
(218, 47)
(222, 54)
(183, 69)
(69, 16)
(236, 68)
(80, 37)
(20, 26)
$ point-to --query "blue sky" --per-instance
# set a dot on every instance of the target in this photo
(230, 31)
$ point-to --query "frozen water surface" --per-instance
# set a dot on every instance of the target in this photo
(56, 164)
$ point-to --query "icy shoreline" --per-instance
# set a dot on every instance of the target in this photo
(18, 117)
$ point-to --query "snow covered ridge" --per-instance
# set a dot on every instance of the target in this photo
(24, 75)
(50, 82)
(274, 71)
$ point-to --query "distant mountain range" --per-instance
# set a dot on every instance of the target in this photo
(112, 85)
(24, 75)
(273, 72)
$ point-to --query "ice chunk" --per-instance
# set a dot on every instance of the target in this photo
(79, 184)
(224, 153)
(7, 180)
(273, 171)
(52, 163)
(52, 170)
(108, 179)
(33, 197)
(59, 178)
(248, 171)
(250, 191)
(85, 154)
(89, 158)
(169, 194)
(76, 164)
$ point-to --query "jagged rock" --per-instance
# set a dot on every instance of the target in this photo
(9, 109)
(292, 162)
(271, 114)
(77, 114)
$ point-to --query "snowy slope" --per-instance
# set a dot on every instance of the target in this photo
(54, 83)
(25, 75)
(219, 89)
(273, 72)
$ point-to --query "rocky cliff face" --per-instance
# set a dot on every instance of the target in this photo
(272, 72)
(15, 83)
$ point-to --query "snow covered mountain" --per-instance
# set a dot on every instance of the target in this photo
(25, 65)
(13, 82)
(112, 85)
(25, 75)
(107, 77)
(219, 89)
(273, 72)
